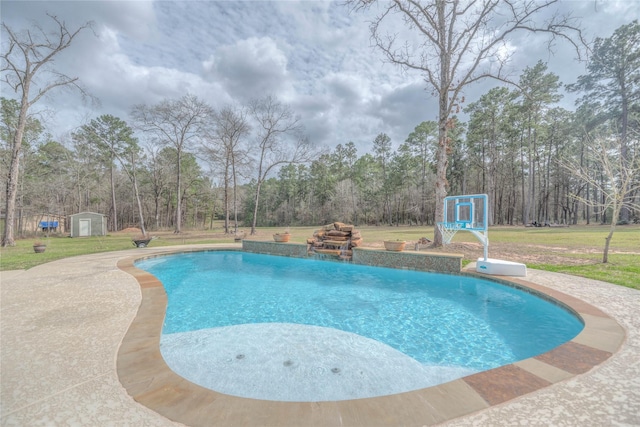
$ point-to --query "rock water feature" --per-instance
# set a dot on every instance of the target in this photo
(335, 240)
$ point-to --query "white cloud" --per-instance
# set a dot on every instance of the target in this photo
(250, 68)
(314, 55)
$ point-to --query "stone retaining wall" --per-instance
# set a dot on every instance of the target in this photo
(423, 261)
(295, 250)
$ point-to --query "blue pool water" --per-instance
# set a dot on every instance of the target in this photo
(220, 300)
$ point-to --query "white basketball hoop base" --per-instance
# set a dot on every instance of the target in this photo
(471, 213)
(497, 267)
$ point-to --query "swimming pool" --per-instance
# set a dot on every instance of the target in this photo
(291, 329)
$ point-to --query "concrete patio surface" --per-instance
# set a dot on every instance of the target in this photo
(62, 324)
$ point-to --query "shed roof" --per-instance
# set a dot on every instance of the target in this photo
(87, 212)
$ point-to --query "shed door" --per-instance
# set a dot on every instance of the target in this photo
(85, 227)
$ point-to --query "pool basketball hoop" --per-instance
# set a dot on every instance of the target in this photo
(467, 213)
(471, 213)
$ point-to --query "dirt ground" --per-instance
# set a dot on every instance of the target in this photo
(527, 254)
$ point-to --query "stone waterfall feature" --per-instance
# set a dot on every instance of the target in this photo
(336, 239)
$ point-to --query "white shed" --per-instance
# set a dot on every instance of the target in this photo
(85, 224)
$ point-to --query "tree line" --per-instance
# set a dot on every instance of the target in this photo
(182, 163)
(189, 170)
(539, 163)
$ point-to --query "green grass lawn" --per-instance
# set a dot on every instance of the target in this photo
(22, 256)
(573, 250)
(621, 269)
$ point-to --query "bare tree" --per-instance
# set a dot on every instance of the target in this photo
(613, 84)
(224, 147)
(458, 43)
(176, 123)
(157, 170)
(24, 56)
(114, 139)
(616, 179)
(279, 141)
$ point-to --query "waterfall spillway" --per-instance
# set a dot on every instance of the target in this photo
(336, 239)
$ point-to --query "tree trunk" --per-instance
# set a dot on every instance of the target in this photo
(137, 194)
(226, 196)
(442, 154)
(10, 202)
(354, 205)
(255, 208)
(423, 191)
(8, 237)
(114, 222)
(624, 158)
(235, 195)
(178, 223)
(156, 214)
(607, 241)
(442, 160)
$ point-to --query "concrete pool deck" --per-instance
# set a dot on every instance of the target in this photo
(63, 325)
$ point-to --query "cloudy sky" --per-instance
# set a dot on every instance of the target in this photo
(313, 55)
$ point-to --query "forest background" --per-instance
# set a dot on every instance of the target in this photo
(517, 146)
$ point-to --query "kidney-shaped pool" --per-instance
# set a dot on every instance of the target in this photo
(289, 329)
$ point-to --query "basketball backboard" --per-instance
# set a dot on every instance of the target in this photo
(468, 212)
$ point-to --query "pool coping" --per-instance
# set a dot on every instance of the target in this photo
(146, 377)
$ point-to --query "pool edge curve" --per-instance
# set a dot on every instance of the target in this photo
(146, 377)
